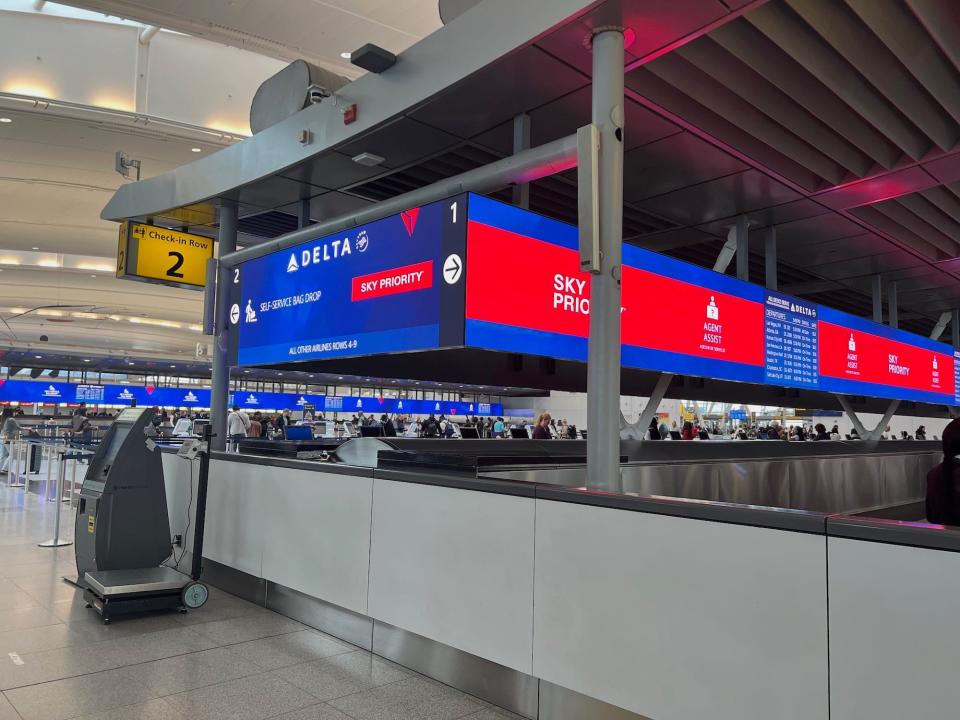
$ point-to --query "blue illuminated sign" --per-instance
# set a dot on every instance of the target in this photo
(388, 286)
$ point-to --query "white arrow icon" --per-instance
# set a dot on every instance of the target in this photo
(452, 268)
(234, 314)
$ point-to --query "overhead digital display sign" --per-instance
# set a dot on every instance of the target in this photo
(525, 293)
(861, 357)
(392, 285)
(470, 271)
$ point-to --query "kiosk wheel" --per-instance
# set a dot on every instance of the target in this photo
(195, 595)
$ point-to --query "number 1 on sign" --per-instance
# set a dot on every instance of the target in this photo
(453, 213)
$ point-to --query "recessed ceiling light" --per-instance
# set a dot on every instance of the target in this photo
(129, 363)
(86, 360)
(196, 149)
(173, 366)
(344, 55)
(93, 276)
(8, 120)
(39, 357)
(34, 248)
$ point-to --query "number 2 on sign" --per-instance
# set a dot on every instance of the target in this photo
(177, 262)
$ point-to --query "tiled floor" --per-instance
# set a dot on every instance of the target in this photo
(230, 659)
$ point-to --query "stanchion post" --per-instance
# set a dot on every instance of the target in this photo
(55, 541)
(13, 476)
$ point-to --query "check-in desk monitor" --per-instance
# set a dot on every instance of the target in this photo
(122, 520)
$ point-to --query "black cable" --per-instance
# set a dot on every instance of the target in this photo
(183, 550)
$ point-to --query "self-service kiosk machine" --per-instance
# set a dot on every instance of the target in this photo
(123, 528)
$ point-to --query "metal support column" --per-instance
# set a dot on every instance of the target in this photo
(603, 355)
(656, 397)
(877, 299)
(220, 380)
(892, 315)
(303, 213)
(521, 142)
(743, 248)
(955, 328)
(851, 413)
(770, 257)
(941, 325)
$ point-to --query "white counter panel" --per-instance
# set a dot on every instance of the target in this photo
(681, 619)
(317, 534)
(455, 566)
(894, 650)
(237, 514)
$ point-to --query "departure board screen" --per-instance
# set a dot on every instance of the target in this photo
(860, 357)
(790, 339)
(392, 285)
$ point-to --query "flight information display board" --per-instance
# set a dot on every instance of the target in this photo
(392, 285)
(790, 338)
(861, 357)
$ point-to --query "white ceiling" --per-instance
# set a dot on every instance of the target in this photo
(57, 165)
(315, 30)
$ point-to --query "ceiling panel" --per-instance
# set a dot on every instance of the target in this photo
(332, 170)
(865, 266)
(400, 142)
(672, 163)
(519, 83)
(730, 195)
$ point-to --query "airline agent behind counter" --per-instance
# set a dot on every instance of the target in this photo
(542, 429)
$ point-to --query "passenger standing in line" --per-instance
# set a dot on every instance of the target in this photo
(256, 428)
(921, 433)
(943, 493)
(541, 430)
(498, 428)
(821, 432)
(9, 431)
(688, 432)
(237, 424)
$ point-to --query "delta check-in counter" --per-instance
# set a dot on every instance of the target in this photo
(687, 601)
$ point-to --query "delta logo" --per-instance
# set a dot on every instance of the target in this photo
(190, 397)
(324, 252)
(409, 218)
(51, 391)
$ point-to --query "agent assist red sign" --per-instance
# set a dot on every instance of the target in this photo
(856, 358)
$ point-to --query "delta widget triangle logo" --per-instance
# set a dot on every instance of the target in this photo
(409, 218)
(292, 266)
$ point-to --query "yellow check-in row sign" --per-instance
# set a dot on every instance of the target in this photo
(156, 254)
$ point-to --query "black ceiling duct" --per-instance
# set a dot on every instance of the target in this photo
(54, 373)
(36, 372)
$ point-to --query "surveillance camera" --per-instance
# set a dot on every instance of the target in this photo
(44, 338)
(316, 93)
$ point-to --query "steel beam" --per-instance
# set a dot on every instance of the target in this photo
(653, 402)
(941, 325)
(892, 304)
(303, 213)
(877, 294)
(541, 161)
(603, 348)
(743, 248)
(770, 257)
(220, 377)
(521, 142)
(955, 328)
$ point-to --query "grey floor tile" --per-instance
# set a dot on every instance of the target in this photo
(342, 675)
(6, 709)
(252, 698)
(49, 665)
(416, 698)
(35, 639)
(28, 617)
(150, 710)
(314, 712)
(77, 696)
(253, 627)
(280, 651)
(494, 713)
(221, 607)
(15, 599)
(188, 672)
(54, 593)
